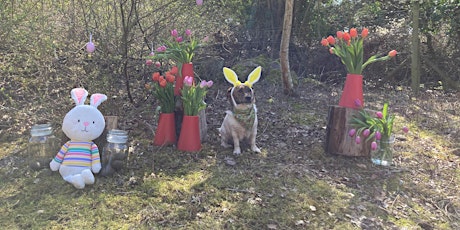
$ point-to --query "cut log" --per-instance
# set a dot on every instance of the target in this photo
(337, 139)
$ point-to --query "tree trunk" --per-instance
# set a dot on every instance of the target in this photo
(284, 48)
(415, 49)
(337, 139)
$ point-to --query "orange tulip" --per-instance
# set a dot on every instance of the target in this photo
(324, 42)
(353, 33)
(364, 33)
(156, 76)
(392, 53)
(331, 40)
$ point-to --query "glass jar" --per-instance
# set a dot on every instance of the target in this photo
(114, 152)
(383, 155)
(42, 147)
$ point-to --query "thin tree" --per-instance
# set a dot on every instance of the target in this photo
(284, 48)
(415, 47)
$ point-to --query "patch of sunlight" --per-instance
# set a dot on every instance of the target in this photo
(167, 184)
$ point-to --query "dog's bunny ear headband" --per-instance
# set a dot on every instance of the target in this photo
(253, 77)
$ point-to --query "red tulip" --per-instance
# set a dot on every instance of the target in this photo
(346, 36)
(324, 42)
(331, 40)
(169, 77)
(155, 76)
(174, 70)
(163, 82)
(392, 53)
(364, 33)
(339, 34)
(353, 32)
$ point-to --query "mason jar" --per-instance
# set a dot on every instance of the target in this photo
(42, 147)
(114, 152)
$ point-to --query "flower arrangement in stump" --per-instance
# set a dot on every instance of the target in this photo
(348, 46)
(193, 101)
(378, 129)
(164, 92)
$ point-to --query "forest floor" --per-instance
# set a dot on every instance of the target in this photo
(292, 184)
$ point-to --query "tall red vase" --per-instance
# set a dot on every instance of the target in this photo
(187, 70)
(189, 138)
(166, 130)
(352, 91)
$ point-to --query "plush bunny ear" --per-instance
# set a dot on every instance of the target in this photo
(231, 76)
(79, 95)
(97, 98)
(253, 77)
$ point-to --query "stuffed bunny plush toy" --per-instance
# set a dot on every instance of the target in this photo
(79, 157)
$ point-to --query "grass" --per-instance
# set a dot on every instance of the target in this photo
(292, 184)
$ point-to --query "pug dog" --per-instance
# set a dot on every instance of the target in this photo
(240, 124)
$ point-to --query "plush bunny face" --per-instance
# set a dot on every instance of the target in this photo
(84, 122)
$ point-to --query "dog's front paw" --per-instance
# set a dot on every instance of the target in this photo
(255, 149)
(237, 151)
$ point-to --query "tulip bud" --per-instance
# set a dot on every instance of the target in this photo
(358, 140)
(148, 62)
(405, 129)
(379, 115)
(351, 132)
(378, 135)
(366, 132)
(364, 33)
(199, 2)
(374, 145)
(157, 64)
(392, 53)
(90, 47)
(358, 103)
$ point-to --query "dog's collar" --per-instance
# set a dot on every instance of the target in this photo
(245, 117)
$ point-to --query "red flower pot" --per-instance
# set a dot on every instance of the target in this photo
(187, 70)
(352, 91)
(189, 138)
(166, 130)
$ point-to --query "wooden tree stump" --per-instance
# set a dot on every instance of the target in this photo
(337, 139)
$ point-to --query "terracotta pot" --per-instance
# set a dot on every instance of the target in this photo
(166, 130)
(352, 90)
(189, 138)
(187, 70)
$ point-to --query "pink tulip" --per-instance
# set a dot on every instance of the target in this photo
(379, 115)
(210, 83)
(206, 39)
(351, 132)
(358, 103)
(157, 64)
(203, 84)
(366, 132)
(151, 54)
(188, 32)
(378, 135)
(161, 49)
(358, 140)
(374, 145)
(174, 33)
(188, 81)
(199, 2)
(405, 129)
(148, 62)
(179, 39)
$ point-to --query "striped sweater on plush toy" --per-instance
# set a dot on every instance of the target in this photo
(78, 153)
